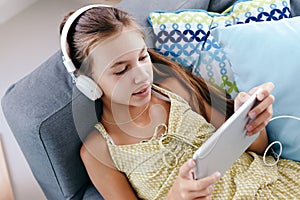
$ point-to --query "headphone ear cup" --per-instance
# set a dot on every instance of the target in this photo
(88, 87)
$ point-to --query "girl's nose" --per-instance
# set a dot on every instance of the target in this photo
(141, 74)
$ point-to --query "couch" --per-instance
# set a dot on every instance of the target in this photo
(44, 111)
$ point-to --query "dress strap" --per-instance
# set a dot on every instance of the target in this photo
(168, 93)
(103, 132)
(161, 96)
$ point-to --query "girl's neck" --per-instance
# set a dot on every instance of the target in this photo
(133, 124)
(117, 114)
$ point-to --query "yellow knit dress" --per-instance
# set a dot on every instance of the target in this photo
(152, 166)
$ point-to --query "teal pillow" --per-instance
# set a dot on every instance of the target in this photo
(263, 52)
(184, 36)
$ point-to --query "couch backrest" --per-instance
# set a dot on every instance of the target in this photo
(49, 119)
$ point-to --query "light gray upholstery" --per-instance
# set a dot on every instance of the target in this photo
(295, 8)
(46, 115)
(140, 11)
(39, 110)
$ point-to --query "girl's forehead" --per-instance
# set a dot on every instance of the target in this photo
(109, 50)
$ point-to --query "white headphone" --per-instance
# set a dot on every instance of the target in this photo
(85, 84)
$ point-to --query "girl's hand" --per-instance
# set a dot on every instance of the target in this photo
(185, 187)
(262, 112)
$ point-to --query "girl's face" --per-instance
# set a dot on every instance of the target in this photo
(122, 68)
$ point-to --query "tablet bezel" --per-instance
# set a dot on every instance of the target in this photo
(227, 144)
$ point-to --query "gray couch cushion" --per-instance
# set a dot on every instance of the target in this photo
(295, 8)
(39, 110)
(140, 11)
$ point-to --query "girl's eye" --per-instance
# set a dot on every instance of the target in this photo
(144, 57)
(121, 71)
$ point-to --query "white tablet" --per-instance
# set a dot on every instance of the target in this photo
(227, 144)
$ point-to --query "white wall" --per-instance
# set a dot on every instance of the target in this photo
(27, 40)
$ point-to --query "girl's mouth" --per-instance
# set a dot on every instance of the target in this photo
(143, 92)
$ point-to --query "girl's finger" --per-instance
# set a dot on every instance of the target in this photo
(203, 193)
(267, 87)
(260, 122)
(203, 188)
(262, 107)
(240, 99)
(203, 183)
(186, 168)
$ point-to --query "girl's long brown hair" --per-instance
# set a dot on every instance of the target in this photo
(196, 86)
(99, 23)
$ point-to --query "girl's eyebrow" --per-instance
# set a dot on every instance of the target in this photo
(124, 61)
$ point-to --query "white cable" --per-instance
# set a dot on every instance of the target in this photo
(286, 117)
(274, 153)
(276, 142)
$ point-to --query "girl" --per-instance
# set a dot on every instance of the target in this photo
(154, 116)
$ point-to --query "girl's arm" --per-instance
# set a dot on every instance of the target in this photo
(261, 114)
(111, 183)
(260, 144)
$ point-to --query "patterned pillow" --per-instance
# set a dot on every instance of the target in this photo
(185, 37)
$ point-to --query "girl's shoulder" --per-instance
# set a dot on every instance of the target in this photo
(164, 92)
(173, 85)
(95, 145)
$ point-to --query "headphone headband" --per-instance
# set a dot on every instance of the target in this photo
(64, 34)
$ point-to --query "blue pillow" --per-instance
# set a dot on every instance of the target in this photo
(184, 36)
(263, 52)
